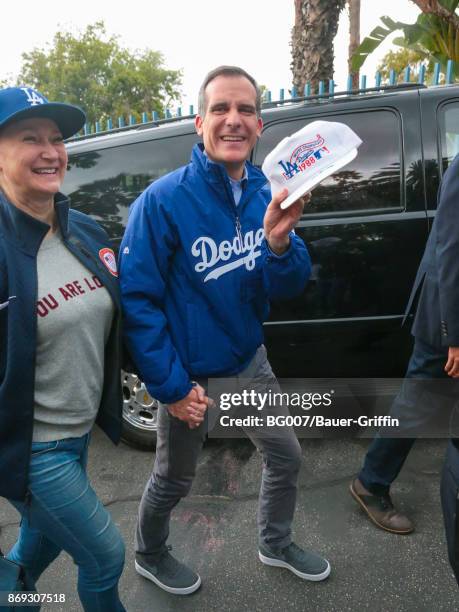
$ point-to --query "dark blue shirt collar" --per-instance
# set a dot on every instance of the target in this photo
(27, 231)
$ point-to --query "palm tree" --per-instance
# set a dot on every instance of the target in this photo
(445, 10)
(434, 35)
(316, 24)
(354, 37)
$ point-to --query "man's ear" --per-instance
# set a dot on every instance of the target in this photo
(259, 126)
(198, 124)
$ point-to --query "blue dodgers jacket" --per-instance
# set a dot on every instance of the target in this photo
(196, 275)
(20, 239)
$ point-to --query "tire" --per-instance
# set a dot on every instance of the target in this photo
(140, 412)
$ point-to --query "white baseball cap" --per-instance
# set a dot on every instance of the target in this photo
(304, 159)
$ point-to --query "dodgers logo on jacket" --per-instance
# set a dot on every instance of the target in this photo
(212, 255)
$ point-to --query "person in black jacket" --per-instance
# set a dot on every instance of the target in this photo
(429, 392)
(59, 351)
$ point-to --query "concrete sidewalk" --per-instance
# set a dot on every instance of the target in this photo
(214, 530)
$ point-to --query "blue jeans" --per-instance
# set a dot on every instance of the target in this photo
(64, 513)
(416, 404)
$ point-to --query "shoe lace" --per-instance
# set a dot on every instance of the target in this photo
(386, 502)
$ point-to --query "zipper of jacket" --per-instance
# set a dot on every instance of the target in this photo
(234, 208)
(239, 230)
(28, 494)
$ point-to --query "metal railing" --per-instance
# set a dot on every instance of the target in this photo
(325, 91)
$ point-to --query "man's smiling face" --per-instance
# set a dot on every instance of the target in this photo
(230, 126)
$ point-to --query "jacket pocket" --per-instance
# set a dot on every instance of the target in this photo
(255, 305)
(192, 329)
(252, 286)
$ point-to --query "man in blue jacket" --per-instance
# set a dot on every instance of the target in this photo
(205, 249)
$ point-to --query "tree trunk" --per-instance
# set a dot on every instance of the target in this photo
(316, 24)
(354, 37)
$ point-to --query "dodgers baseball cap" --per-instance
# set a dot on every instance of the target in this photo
(304, 159)
(18, 103)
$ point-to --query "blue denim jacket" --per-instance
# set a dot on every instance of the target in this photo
(20, 239)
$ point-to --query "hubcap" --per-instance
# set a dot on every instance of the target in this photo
(139, 408)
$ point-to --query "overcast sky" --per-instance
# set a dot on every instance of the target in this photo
(194, 36)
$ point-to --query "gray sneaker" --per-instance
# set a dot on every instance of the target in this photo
(302, 563)
(168, 573)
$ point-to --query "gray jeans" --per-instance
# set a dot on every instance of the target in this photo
(177, 453)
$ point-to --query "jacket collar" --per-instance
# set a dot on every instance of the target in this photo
(215, 173)
(27, 231)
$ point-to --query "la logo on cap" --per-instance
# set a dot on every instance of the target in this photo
(33, 98)
(18, 103)
(304, 159)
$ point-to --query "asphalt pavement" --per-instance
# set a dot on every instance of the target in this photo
(214, 530)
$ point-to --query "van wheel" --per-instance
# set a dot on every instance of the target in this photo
(140, 413)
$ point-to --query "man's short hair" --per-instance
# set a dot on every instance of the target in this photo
(228, 71)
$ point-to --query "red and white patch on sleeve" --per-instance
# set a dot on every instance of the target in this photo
(107, 256)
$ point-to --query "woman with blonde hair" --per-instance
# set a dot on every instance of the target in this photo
(59, 351)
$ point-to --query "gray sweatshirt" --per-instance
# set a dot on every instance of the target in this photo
(74, 315)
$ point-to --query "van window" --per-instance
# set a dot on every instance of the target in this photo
(449, 132)
(372, 181)
(104, 183)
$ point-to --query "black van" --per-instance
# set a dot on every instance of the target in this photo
(365, 227)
